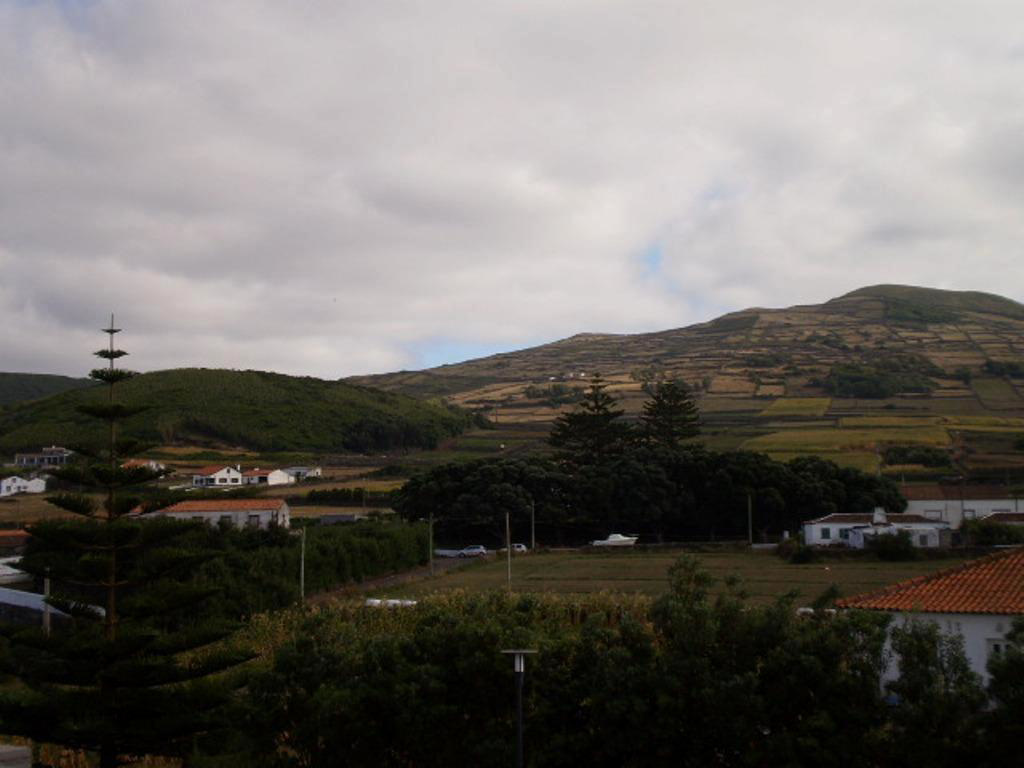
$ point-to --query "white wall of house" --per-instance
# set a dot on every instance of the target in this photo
(301, 473)
(983, 634)
(275, 477)
(825, 534)
(240, 518)
(224, 478)
(922, 535)
(949, 510)
(14, 484)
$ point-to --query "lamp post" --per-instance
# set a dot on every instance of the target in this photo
(519, 655)
(301, 533)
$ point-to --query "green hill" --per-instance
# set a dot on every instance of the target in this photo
(18, 387)
(883, 366)
(248, 409)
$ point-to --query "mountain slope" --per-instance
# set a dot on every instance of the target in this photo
(880, 367)
(249, 409)
(18, 387)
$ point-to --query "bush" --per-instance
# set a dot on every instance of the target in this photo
(893, 548)
(988, 533)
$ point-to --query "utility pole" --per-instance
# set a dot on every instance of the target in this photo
(533, 527)
(508, 549)
(302, 565)
(430, 541)
(750, 518)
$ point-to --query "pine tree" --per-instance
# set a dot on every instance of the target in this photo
(594, 431)
(670, 416)
(138, 673)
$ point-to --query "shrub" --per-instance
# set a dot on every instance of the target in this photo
(893, 547)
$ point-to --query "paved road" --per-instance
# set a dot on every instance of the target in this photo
(15, 757)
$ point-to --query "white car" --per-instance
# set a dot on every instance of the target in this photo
(473, 550)
(517, 549)
(615, 540)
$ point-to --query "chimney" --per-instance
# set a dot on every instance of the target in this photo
(879, 517)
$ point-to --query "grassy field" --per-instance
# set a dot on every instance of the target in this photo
(763, 575)
(798, 406)
(814, 440)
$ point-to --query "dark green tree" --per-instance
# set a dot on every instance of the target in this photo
(594, 431)
(670, 416)
(135, 670)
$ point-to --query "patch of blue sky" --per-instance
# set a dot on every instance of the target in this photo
(443, 351)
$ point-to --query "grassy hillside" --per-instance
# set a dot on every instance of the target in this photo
(17, 387)
(251, 409)
(922, 364)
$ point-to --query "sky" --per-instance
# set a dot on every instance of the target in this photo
(328, 187)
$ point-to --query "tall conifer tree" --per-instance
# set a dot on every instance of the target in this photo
(670, 416)
(134, 670)
(594, 431)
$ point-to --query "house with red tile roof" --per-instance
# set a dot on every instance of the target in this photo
(855, 530)
(259, 476)
(254, 513)
(217, 476)
(977, 600)
(954, 503)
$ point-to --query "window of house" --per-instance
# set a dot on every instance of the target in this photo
(234, 479)
(844, 533)
(225, 520)
(996, 647)
(922, 540)
(254, 521)
(222, 480)
(826, 533)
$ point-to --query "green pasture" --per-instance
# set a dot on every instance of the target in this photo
(996, 393)
(888, 421)
(798, 406)
(816, 440)
(763, 575)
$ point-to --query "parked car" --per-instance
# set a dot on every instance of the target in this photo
(473, 550)
(615, 540)
(518, 549)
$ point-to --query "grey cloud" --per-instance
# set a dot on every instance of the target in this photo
(319, 188)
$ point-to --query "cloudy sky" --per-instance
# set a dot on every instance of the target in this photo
(335, 187)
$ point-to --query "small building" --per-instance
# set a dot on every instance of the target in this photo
(241, 513)
(301, 473)
(855, 530)
(217, 476)
(51, 456)
(977, 600)
(27, 608)
(259, 476)
(954, 503)
(14, 484)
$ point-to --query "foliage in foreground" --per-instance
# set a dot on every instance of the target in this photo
(688, 679)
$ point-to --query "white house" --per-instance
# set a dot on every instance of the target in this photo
(255, 513)
(218, 475)
(955, 503)
(51, 456)
(301, 473)
(978, 601)
(855, 530)
(14, 484)
(150, 464)
(259, 476)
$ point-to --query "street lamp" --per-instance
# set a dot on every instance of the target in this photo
(301, 533)
(519, 655)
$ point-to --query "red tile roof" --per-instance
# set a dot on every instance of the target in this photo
(211, 470)
(1005, 517)
(13, 537)
(224, 505)
(867, 518)
(935, 492)
(992, 584)
(256, 472)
